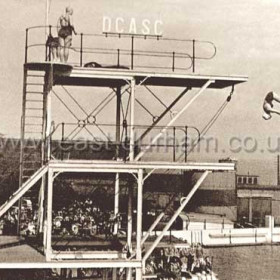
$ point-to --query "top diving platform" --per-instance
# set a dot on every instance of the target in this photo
(65, 74)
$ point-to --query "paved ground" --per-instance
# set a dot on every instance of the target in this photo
(21, 253)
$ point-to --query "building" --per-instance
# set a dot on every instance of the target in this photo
(255, 201)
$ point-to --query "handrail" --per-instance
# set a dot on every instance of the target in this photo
(170, 143)
(177, 58)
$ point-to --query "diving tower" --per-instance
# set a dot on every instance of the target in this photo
(40, 164)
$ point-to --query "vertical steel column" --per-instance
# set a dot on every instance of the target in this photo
(116, 202)
(118, 120)
(22, 140)
(114, 274)
(132, 52)
(186, 143)
(48, 248)
(193, 56)
(129, 227)
(117, 178)
(174, 144)
(45, 141)
(250, 209)
(81, 50)
(278, 170)
(139, 222)
(26, 45)
(132, 118)
(129, 218)
(131, 158)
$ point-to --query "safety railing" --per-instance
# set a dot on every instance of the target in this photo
(89, 140)
(130, 51)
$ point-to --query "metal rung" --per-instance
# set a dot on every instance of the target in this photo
(34, 100)
(34, 92)
(34, 109)
(33, 132)
(33, 117)
(35, 124)
(34, 84)
(26, 161)
(33, 75)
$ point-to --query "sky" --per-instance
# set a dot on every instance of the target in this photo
(246, 37)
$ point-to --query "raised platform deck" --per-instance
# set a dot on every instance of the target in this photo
(66, 74)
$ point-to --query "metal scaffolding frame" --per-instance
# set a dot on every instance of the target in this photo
(60, 74)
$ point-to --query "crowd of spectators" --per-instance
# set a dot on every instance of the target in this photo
(178, 263)
(80, 218)
(83, 218)
(167, 263)
(9, 223)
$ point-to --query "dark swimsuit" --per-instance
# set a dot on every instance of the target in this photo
(65, 31)
(269, 99)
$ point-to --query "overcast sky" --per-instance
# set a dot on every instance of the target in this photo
(246, 34)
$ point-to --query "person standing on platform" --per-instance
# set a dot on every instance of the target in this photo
(65, 29)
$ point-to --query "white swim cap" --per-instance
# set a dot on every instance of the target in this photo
(266, 116)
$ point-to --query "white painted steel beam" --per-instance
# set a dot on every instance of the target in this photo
(174, 217)
(73, 264)
(173, 120)
(132, 167)
(152, 227)
(86, 255)
(23, 189)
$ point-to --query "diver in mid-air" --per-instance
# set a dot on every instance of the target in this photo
(268, 105)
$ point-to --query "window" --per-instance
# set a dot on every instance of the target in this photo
(250, 180)
(256, 181)
(244, 180)
(239, 180)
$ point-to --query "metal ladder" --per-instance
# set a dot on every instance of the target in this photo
(32, 124)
